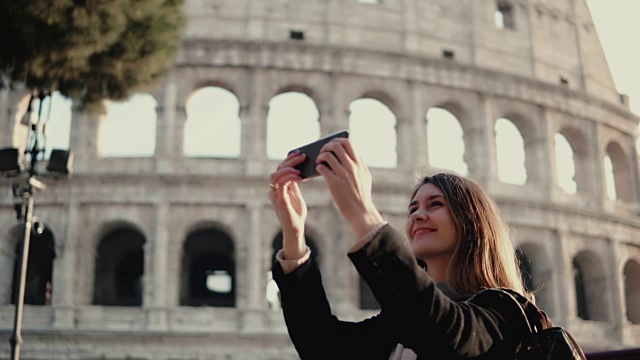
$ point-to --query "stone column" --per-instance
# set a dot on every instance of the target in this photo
(253, 116)
(577, 27)
(64, 272)
(341, 279)
(176, 144)
(171, 121)
(14, 103)
(540, 155)
(412, 132)
(76, 136)
(18, 125)
(407, 152)
(256, 275)
(617, 307)
(480, 141)
(335, 113)
(532, 26)
(476, 27)
(598, 186)
(565, 292)
(585, 166)
(157, 255)
(635, 171)
(83, 138)
(166, 121)
(410, 38)
(255, 302)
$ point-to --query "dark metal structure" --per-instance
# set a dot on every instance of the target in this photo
(12, 165)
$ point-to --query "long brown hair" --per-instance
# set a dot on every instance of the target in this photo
(484, 256)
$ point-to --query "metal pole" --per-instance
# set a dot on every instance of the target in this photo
(16, 338)
(27, 195)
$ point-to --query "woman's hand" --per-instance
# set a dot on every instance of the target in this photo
(350, 182)
(289, 205)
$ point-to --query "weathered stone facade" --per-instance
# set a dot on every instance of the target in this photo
(547, 74)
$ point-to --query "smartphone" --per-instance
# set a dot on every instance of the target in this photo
(308, 166)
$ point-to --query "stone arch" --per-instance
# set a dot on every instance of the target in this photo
(511, 149)
(581, 158)
(190, 79)
(128, 129)
(459, 103)
(631, 276)
(537, 273)
(208, 267)
(591, 287)
(392, 94)
(504, 15)
(39, 277)
(383, 97)
(373, 130)
(458, 110)
(621, 177)
(293, 119)
(524, 124)
(565, 164)
(298, 88)
(318, 86)
(210, 83)
(119, 267)
(213, 127)
(113, 223)
(445, 138)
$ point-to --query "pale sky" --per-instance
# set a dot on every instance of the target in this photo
(617, 24)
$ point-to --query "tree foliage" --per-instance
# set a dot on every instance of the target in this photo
(88, 49)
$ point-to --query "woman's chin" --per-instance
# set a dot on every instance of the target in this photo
(421, 250)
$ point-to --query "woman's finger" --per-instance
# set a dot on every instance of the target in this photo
(278, 177)
(293, 159)
(336, 157)
(287, 166)
(280, 184)
(348, 146)
(338, 151)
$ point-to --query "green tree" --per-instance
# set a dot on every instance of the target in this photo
(88, 49)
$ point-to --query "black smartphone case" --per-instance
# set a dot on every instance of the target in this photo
(308, 167)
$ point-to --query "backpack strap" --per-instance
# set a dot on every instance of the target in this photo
(528, 330)
(538, 318)
(535, 320)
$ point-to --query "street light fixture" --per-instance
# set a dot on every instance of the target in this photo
(12, 164)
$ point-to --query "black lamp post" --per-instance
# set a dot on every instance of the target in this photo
(12, 165)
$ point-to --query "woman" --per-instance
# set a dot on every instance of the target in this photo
(457, 245)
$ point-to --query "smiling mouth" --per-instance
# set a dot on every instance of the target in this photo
(422, 231)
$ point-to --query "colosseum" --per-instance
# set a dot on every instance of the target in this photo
(164, 252)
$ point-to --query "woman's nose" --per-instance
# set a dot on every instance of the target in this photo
(418, 214)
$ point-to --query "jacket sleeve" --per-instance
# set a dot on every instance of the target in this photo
(315, 332)
(422, 314)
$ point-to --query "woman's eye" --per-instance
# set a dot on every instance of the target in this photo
(412, 210)
(436, 203)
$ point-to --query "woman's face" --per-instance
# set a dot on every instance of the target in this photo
(430, 227)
